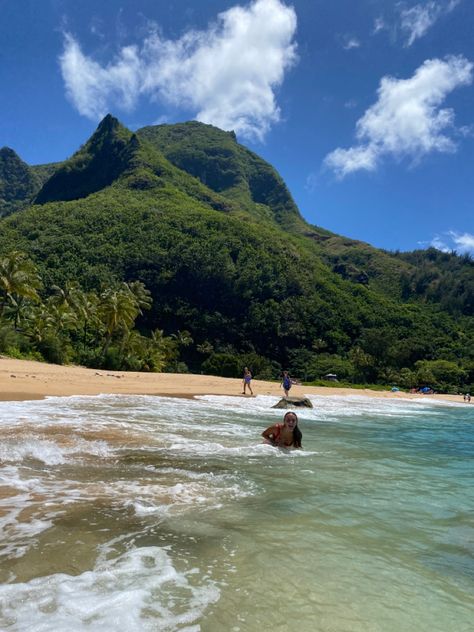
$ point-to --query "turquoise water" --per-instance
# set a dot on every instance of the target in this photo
(149, 513)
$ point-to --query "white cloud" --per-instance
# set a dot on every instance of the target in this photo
(349, 42)
(379, 25)
(462, 243)
(439, 244)
(226, 75)
(406, 120)
(312, 182)
(90, 87)
(417, 20)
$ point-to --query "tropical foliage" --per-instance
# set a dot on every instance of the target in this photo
(70, 325)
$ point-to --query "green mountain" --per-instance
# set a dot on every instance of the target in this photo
(220, 163)
(213, 232)
(18, 181)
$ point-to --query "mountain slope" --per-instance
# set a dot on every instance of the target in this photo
(18, 181)
(225, 166)
(96, 165)
(114, 154)
(220, 163)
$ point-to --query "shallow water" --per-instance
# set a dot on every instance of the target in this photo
(151, 513)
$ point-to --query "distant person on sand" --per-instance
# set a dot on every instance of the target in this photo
(285, 435)
(286, 383)
(467, 398)
(246, 381)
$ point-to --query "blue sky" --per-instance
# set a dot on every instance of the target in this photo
(365, 107)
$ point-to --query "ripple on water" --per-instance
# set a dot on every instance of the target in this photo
(155, 513)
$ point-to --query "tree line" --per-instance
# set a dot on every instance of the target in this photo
(67, 324)
(107, 329)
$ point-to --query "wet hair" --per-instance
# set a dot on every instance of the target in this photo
(297, 434)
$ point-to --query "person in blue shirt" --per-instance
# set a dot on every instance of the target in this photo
(286, 383)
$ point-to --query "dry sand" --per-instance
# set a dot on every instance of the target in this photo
(25, 380)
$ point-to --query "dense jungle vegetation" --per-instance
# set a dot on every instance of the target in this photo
(177, 249)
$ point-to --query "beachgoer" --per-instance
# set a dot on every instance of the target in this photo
(285, 435)
(286, 383)
(246, 381)
(467, 398)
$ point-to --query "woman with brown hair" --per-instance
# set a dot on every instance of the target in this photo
(285, 435)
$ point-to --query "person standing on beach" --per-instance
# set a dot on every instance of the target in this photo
(286, 383)
(246, 381)
(285, 435)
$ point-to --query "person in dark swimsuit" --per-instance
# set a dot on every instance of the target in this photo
(285, 435)
(286, 383)
(247, 379)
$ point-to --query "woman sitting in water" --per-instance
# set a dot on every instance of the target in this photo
(285, 435)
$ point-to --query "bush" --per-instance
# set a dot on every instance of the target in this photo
(406, 378)
(440, 374)
(326, 363)
(89, 357)
(53, 350)
(112, 359)
(261, 367)
(223, 364)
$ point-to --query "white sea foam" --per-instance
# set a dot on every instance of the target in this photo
(18, 449)
(194, 477)
(18, 533)
(136, 591)
(326, 408)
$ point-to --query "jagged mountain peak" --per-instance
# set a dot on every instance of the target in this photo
(109, 122)
(201, 160)
(109, 128)
(99, 162)
(8, 152)
(17, 181)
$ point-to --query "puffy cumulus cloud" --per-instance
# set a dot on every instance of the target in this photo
(226, 75)
(417, 20)
(462, 243)
(407, 119)
(90, 87)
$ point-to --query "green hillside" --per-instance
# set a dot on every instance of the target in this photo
(230, 169)
(220, 163)
(19, 182)
(235, 275)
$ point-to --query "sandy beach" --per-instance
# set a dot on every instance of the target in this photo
(27, 380)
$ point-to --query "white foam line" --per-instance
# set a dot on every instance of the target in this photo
(113, 596)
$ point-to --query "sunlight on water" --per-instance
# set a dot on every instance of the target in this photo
(151, 513)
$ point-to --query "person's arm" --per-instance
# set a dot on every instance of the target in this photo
(270, 433)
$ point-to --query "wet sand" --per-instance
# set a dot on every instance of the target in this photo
(26, 380)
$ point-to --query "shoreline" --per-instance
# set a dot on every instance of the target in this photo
(23, 380)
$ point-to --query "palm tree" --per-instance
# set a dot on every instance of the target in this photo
(118, 310)
(19, 280)
(82, 305)
(141, 294)
(183, 338)
(39, 324)
(180, 339)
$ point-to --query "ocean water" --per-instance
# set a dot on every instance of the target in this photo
(147, 513)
